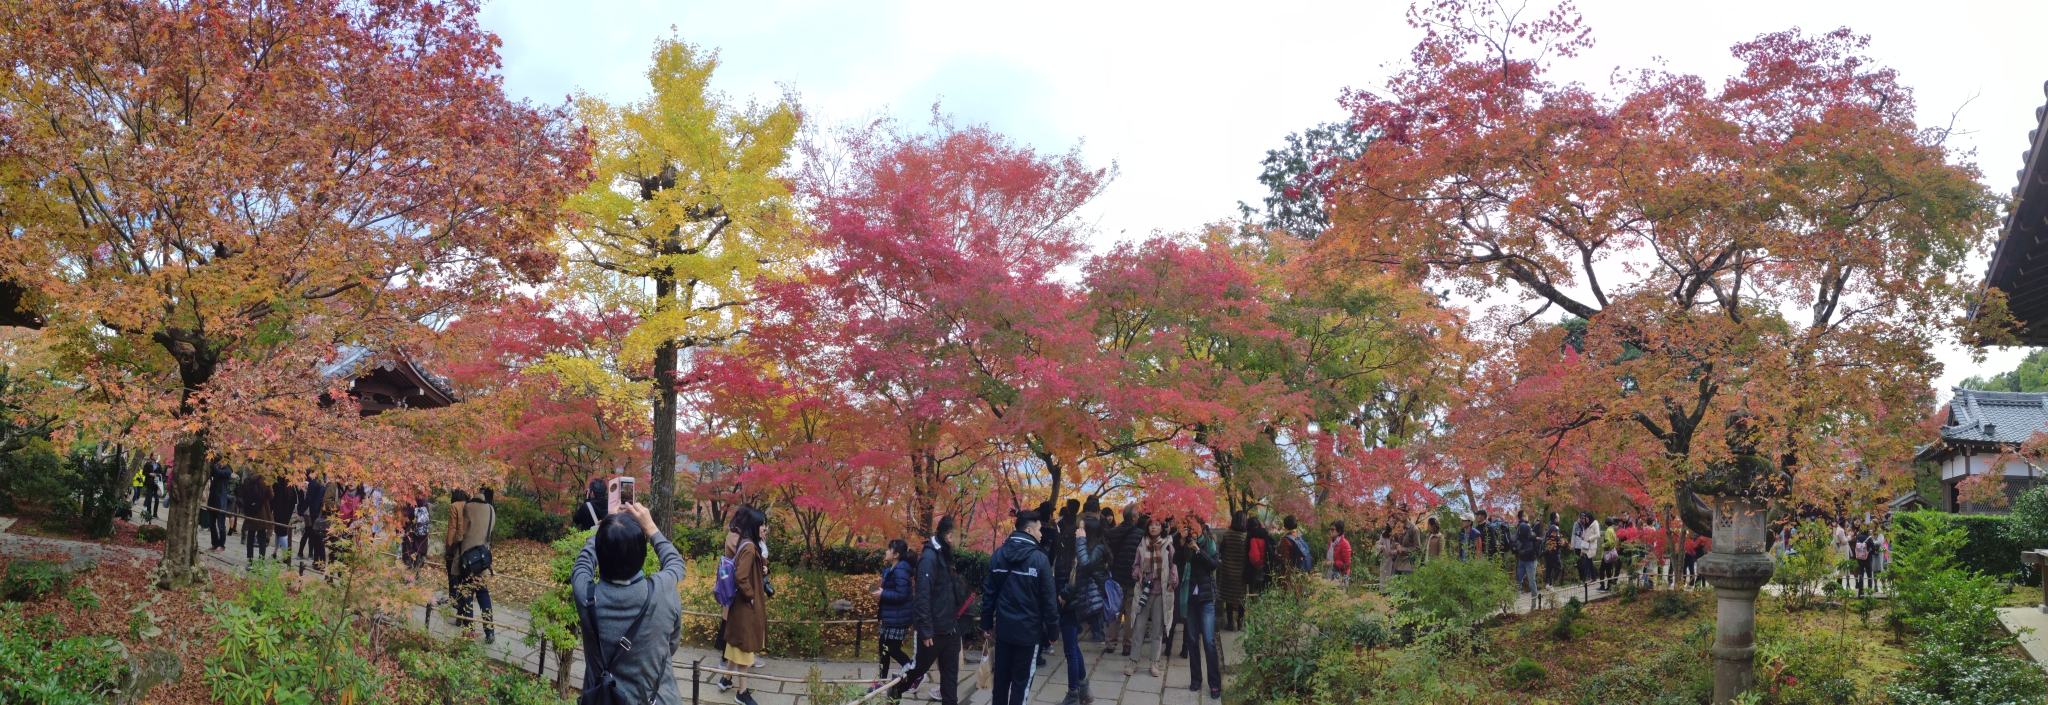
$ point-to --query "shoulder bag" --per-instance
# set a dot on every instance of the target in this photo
(477, 559)
(604, 688)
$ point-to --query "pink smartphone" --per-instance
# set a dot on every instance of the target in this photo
(612, 496)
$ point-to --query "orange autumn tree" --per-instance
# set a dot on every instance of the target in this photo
(1761, 269)
(233, 185)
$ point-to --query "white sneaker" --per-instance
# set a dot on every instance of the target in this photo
(933, 694)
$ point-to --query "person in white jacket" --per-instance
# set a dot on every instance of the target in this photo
(1586, 542)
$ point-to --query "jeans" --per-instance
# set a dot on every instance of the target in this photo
(1202, 640)
(149, 502)
(217, 528)
(1585, 569)
(1011, 668)
(1525, 575)
(472, 587)
(284, 539)
(255, 542)
(1070, 642)
(945, 653)
(315, 546)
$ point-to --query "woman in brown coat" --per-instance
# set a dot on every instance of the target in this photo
(746, 622)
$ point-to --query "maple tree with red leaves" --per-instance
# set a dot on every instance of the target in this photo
(938, 300)
(540, 375)
(215, 192)
(1761, 270)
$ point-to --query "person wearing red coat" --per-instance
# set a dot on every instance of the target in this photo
(1340, 553)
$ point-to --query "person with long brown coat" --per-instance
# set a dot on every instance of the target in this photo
(746, 619)
(1230, 578)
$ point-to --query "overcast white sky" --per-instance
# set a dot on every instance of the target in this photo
(1187, 97)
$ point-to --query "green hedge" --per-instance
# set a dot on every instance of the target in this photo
(1990, 551)
(521, 518)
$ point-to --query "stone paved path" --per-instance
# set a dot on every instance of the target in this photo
(1105, 672)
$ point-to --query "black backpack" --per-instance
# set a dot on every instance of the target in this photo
(604, 689)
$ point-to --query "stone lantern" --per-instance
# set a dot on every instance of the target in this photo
(1737, 497)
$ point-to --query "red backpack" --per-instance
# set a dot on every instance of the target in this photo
(1256, 551)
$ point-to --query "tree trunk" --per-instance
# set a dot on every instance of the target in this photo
(661, 480)
(925, 483)
(180, 567)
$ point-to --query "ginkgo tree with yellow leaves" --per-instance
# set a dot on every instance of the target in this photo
(685, 214)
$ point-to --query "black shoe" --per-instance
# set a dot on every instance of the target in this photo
(745, 698)
(724, 683)
(490, 637)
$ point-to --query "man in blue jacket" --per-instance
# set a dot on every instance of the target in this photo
(1019, 610)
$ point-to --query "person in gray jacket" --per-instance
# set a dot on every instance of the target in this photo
(610, 585)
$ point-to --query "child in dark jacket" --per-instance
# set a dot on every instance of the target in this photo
(897, 611)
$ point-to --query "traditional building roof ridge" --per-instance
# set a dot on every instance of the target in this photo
(361, 362)
(2020, 260)
(1981, 416)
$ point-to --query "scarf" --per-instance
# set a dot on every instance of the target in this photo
(1158, 562)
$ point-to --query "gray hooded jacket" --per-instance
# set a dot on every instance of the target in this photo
(643, 672)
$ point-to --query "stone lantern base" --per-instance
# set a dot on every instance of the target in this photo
(1737, 568)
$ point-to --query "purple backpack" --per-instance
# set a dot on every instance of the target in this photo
(726, 586)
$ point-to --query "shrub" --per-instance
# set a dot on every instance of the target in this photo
(521, 518)
(1569, 623)
(1628, 591)
(1524, 674)
(149, 533)
(90, 670)
(1961, 654)
(28, 580)
(847, 560)
(1417, 675)
(277, 647)
(459, 674)
(1991, 549)
(823, 693)
(1288, 633)
(1927, 546)
(1799, 668)
(33, 473)
(1458, 592)
(1811, 562)
(1672, 603)
(696, 543)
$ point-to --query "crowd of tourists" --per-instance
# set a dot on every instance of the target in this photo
(1545, 551)
(326, 517)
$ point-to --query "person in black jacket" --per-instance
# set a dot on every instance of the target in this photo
(1528, 546)
(1049, 544)
(310, 503)
(222, 478)
(936, 602)
(1080, 599)
(1201, 588)
(593, 509)
(1018, 609)
(1123, 553)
